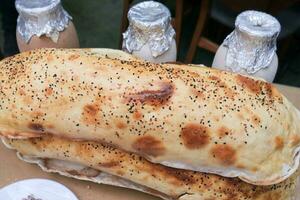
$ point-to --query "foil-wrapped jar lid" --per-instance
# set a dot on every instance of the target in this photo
(41, 17)
(252, 45)
(149, 22)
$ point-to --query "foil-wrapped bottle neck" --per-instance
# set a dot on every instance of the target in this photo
(41, 18)
(149, 15)
(149, 21)
(252, 45)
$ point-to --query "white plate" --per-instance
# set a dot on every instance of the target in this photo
(39, 189)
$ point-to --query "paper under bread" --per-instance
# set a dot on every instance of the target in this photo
(186, 117)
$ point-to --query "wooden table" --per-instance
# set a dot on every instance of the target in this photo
(12, 169)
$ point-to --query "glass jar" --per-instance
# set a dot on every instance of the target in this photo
(44, 24)
(150, 35)
(251, 48)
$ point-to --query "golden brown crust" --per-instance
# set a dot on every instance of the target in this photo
(187, 111)
(149, 146)
(194, 136)
(176, 183)
(224, 153)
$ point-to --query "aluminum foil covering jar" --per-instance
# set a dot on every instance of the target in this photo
(44, 23)
(251, 48)
(150, 35)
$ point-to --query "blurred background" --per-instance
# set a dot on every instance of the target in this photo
(99, 24)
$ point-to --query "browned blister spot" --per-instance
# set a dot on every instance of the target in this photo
(42, 143)
(218, 82)
(149, 146)
(198, 93)
(195, 136)
(48, 91)
(272, 92)
(22, 92)
(295, 140)
(83, 149)
(240, 166)
(90, 113)
(249, 83)
(215, 78)
(73, 57)
(49, 58)
(37, 114)
(36, 126)
(269, 89)
(120, 173)
(255, 120)
(137, 115)
(228, 92)
(174, 176)
(181, 176)
(120, 125)
(109, 164)
(224, 153)
(223, 131)
(279, 143)
(254, 169)
(50, 126)
(154, 97)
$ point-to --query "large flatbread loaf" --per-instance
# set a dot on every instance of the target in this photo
(105, 164)
(181, 116)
